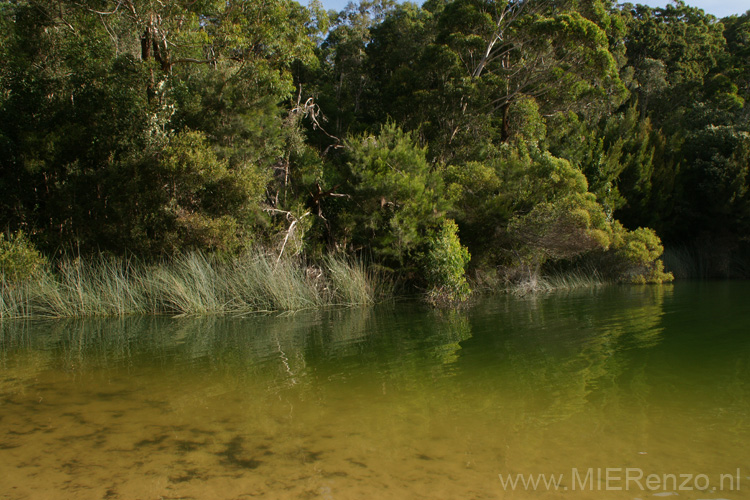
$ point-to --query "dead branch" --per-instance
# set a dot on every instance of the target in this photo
(290, 230)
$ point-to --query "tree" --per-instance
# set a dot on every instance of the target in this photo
(344, 58)
(737, 35)
(396, 200)
(714, 183)
(560, 230)
(517, 49)
(100, 93)
(671, 49)
(521, 203)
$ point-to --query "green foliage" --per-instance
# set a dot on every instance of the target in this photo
(19, 258)
(640, 251)
(527, 206)
(472, 61)
(562, 229)
(162, 128)
(715, 178)
(345, 78)
(92, 159)
(737, 35)
(445, 264)
(617, 157)
(684, 38)
(396, 198)
(203, 195)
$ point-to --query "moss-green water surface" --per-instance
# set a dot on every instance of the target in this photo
(399, 402)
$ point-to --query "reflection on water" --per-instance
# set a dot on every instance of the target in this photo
(392, 402)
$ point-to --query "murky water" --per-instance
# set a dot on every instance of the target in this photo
(652, 383)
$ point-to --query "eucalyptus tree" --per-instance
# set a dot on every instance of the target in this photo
(345, 79)
(473, 59)
(737, 35)
(672, 50)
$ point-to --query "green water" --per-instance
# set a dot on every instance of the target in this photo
(392, 402)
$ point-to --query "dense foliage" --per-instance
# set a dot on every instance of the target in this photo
(19, 259)
(526, 133)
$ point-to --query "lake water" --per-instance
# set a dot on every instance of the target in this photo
(645, 389)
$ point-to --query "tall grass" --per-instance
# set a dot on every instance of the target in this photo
(686, 262)
(557, 279)
(707, 260)
(580, 277)
(189, 284)
(353, 282)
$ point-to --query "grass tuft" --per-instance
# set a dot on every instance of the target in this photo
(578, 277)
(351, 281)
(189, 284)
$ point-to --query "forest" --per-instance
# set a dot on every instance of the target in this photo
(455, 145)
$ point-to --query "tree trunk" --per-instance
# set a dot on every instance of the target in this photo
(505, 132)
(147, 42)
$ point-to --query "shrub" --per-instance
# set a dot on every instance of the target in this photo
(639, 252)
(396, 197)
(19, 258)
(445, 265)
(564, 229)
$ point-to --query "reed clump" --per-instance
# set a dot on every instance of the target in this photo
(579, 277)
(189, 284)
(524, 281)
(708, 260)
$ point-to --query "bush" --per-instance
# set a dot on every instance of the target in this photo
(396, 198)
(563, 229)
(639, 252)
(19, 258)
(445, 265)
